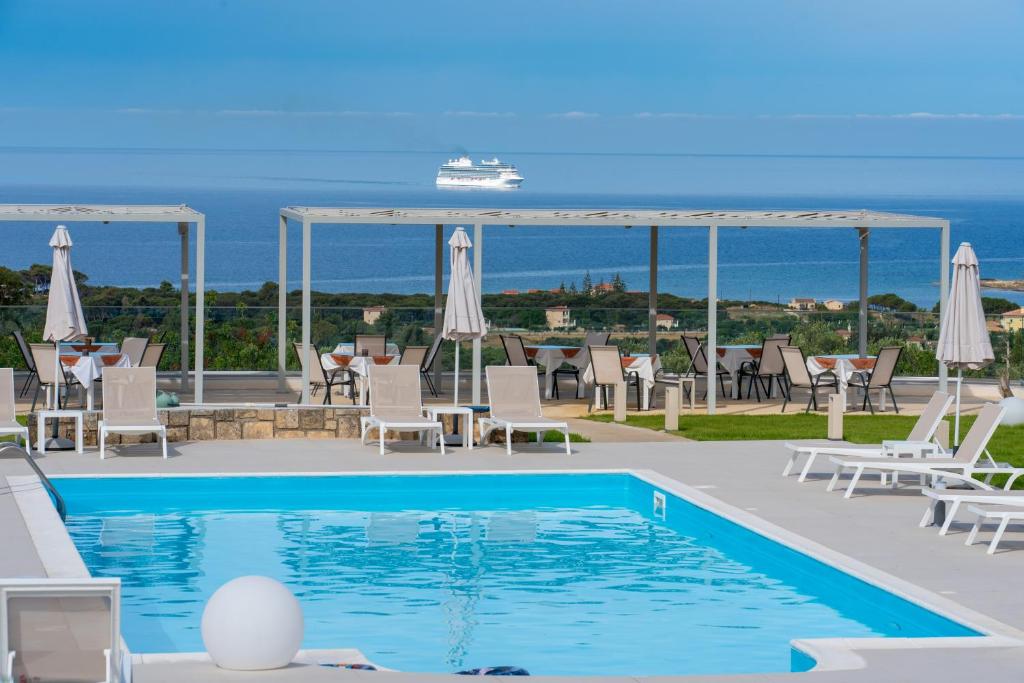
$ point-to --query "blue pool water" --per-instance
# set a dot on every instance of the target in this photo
(560, 574)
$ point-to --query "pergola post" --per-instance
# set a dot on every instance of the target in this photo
(711, 348)
(438, 288)
(200, 306)
(862, 308)
(282, 303)
(184, 329)
(478, 276)
(652, 295)
(943, 294)
(307, 258)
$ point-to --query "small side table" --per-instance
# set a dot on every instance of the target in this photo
(464, 412)
(41, 417)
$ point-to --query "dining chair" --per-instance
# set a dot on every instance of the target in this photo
(134, 348)
(767, 368)
(880, 377)
(50, 374)
(799, 377)
(426, 368)
(371, 345)
(26, 356)
(699, 364)
(580, 360)
(152, 356)
(320, 377)
(609, 372)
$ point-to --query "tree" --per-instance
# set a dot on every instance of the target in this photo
(588, 283)
(572, 288)
(14, 291)
(995, 305)
(618, 284)
(561, 287)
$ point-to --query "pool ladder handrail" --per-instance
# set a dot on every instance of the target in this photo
(62, 509)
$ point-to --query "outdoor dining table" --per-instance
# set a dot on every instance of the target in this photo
(844, 366)
(644, 365)
(89, 368)
(732, 356)
(551, 357)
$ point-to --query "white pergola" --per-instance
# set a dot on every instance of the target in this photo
(711, 220)
(182, 215)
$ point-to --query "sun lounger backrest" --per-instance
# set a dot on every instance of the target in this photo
(129, 395)
(977, 438)
(395, 391)
(513, 391)
(933, 413)
(7, 410)
(59, 629)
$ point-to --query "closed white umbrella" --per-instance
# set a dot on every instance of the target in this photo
(463, 318)
(65, 320)
(963, 340)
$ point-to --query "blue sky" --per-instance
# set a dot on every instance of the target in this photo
(739, 77)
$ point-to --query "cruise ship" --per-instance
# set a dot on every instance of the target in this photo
(462, 172)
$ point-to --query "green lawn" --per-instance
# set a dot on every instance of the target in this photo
(1006, 445)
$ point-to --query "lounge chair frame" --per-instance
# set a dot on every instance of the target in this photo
(531, 420)
(145, 378)
(403, 419)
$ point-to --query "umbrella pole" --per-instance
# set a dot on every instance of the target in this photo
(455, 401)
(956, 428)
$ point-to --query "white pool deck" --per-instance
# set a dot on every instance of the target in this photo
(878, 528)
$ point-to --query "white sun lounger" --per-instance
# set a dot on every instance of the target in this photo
(1003, 513)
(129, 405)
(396, 404)
(8, 415)
(918, 444)
(960, 467)
(955, 498)
(61, 630)
(514, 394)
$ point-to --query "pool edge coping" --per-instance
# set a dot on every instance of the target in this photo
(829, 654)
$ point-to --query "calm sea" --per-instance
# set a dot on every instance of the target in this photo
(241, 192)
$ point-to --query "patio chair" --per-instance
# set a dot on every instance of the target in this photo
(767, 368)
(50, 374)
(580, 360)
(134, 348)
(319, 377)
(152, 356)
(515, 351)
(880, 377)
(396, 404)
(609, 372)
(371, 345)
(699, 364)
(955, 498)
(961, 467)
(427, 367)
(8, 414)
(799, 377)
(26, 355)
(514, 394)
(62, 630)
(919, 443)
(413, 355)
(129, 405)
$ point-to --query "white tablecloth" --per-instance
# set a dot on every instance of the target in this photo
(844, 368)
(645, 366)
(551, 358)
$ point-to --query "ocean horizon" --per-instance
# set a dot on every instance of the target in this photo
(241, 191)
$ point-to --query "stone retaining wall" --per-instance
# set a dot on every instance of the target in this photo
(210, 423)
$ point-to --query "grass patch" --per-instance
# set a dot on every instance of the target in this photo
(552, 436)
(1007, 444)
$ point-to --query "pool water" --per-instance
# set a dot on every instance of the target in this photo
(559, 574)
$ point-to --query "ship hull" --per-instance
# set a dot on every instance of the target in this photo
(492, 183)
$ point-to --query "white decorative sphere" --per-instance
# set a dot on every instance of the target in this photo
(1014, 414)
(252, 623)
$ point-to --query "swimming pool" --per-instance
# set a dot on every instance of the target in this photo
(556, 573)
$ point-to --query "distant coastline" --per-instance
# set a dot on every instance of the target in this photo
(1003, 285)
